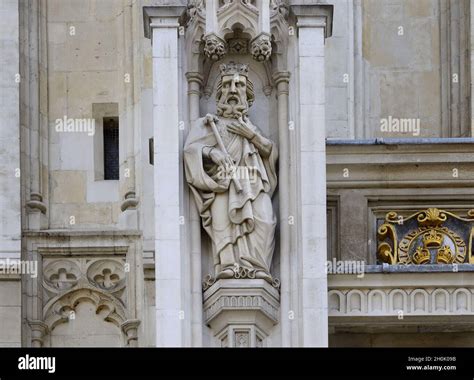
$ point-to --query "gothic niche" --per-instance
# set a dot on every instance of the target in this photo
(231, 170)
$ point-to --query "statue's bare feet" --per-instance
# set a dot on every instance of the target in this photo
(226, 273)
(264, 276)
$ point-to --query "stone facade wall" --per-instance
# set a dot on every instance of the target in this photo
(10, 173)
(398, 59)
(88, 59)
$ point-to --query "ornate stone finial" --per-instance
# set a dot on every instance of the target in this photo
(215, 47)
(233, 68)
(261, 47)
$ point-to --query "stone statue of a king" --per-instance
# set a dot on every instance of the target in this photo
(231, 169)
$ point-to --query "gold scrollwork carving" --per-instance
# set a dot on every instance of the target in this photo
(429, 236)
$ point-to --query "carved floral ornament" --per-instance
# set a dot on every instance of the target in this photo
(430, 236)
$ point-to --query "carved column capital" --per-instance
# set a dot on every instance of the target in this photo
(314, 16)
(282, 81)
(195, 81)
(194, 76)
(130, 329)
(162, 16)
(39, 329)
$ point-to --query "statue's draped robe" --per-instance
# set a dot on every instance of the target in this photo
(241, 225)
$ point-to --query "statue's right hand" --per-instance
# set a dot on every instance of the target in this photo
(210, 117)
(219, 158)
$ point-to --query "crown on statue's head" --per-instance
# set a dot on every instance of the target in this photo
(233, 68)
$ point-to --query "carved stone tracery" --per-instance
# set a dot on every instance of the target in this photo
(235, 17)
(67, 282)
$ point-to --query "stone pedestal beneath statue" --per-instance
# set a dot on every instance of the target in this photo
(241, 312)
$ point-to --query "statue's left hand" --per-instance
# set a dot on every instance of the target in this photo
(241, 129)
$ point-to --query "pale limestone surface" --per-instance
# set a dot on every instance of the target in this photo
(85, 49)
(10, 194)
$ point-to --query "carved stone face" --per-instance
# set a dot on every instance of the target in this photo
(233, 102)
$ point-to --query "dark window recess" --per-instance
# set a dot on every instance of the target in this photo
(111, 148)
(151, 151)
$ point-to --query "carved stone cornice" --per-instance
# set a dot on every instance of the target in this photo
(162, 16)
(314, 16)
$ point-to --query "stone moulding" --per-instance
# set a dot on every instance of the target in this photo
(58, 309)
(401, 298)
(241, 295)
(232, 305)
(130, 201)
(409, 301)
(241, 303)
(36, 203)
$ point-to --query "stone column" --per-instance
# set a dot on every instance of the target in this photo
(10, 204)
(162, 23)
(129, 217)
(194, 85)
(33, 93)
(313, 23)
(282, 79)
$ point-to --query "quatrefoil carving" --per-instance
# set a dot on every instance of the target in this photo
(106, 279)
(62, 275)
(62, 279)
(106, 274)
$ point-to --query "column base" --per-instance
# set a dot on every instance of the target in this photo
(241, 312)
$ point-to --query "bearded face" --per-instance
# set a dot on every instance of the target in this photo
(233, 102)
